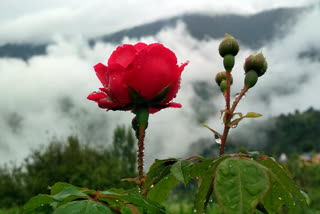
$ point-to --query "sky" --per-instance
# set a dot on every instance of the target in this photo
(39, 21)
(45, 97)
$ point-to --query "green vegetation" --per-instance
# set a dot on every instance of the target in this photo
(294, 133)
(71, 162)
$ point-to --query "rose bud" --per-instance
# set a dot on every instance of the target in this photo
(251, 78)
(223, 85)
(256, 62)
(228, 62)
(229, 45)
(222, 76)
(139, 74)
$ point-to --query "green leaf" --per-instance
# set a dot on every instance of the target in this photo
(160, 191)
(58, 187)
(205, 190)
(182, 171)
(158, 170)
(137, 200)
(83, 207)
(288, 191)
(275, 197)
(239, 185)
(212, 130)
(252, 115)
(37, 202)
(258, 212)
(69, 193)
(254, 154)
(235, 122)
(200, 168)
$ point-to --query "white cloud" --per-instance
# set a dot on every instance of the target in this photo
(38, 21)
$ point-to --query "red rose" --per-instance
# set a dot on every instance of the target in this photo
(147, 69)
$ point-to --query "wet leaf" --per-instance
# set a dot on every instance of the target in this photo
(239, 185)
(37, 202)
(212, 130)
(83, 207)
(160, 191)
(181, 170)
(205, 190)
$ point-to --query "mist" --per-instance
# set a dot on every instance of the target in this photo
(44, 98)
(38, 21)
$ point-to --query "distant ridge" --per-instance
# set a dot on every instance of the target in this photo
(251, 30)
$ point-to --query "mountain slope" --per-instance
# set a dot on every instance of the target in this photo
(252, 31)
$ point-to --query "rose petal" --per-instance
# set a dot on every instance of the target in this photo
(175, 86)
(174, 105)
(107, 104)
(123, 56)
(102, 74)
(152, 70)
(140, 46)
(95, 96)
(118, 88)
(181, 67)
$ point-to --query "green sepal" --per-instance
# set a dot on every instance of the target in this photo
(135, 96)
(229, 45)
(161, 96)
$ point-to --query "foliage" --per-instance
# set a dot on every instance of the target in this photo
(295, 133)
(70, 162)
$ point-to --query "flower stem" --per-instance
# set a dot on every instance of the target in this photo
(228, 114)
(236, 101)
(141, 155)
(228, 78)
(142, 116)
